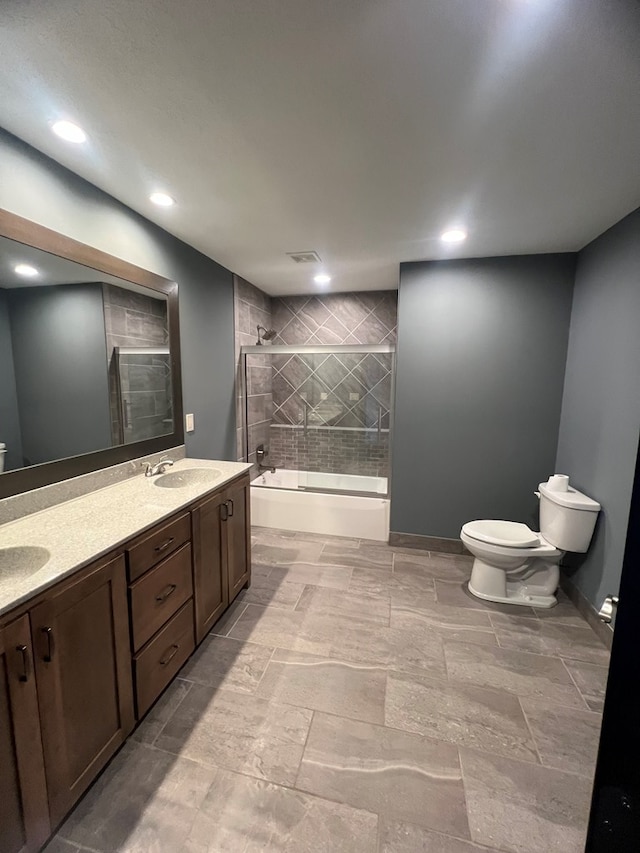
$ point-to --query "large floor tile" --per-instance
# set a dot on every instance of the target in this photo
(455, 623)
(516, 672)
(239, 732)
(286, 552)
(59, 845)
(271, 591)
(162, 711)
(229, 618)
(414, 649)
(365, 556)
(338, 541)
(458, 595)
(224, 662)
(566, 738)
(564, 612)
(412, 588)
(447, 567)
(591, 681)
(319, 574)
(397, 837)
(374, 582)
(404, 776)
(242, 815)
(338, 687)
(331, 602)
(285, 629)
(490, 720)
(545, 637)
(523, 807)
(145, 800)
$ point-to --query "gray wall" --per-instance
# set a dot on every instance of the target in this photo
(9, 419)
(482, 346)
(35, 187)
(598, 439)
(60, 362)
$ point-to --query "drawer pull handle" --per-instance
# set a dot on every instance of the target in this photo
(165, 544)
(172, 653)
(25, 662)
(230, 502)
(225, 514)
(50, 645)
(166, 593)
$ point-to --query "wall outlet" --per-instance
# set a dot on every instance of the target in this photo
(323, 396)
(353, 395)
(189, 423)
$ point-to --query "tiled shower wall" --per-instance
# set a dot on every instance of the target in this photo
(252, 307)
(134, 320)
(347, 398)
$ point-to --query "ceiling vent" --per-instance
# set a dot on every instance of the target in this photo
(304, 257)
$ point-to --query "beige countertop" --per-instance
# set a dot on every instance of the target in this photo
(77, 532)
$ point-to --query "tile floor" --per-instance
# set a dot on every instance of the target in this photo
(356, 698)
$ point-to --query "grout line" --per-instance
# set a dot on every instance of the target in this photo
(575, 684)
(530, 730)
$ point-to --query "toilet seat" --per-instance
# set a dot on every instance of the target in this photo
(511, 534)
(494, 536)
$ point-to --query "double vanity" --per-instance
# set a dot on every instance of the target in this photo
(102, 600)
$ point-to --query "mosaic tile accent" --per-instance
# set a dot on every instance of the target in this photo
(333, 451)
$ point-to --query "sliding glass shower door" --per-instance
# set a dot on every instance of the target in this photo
(330, 414)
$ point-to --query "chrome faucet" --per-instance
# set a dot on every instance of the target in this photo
(260, 454)
(158, 468)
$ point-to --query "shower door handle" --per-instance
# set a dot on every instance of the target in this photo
(305, 416)
(379, 422)
(125, 414)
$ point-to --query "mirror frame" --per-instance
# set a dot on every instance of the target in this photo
(30, 233)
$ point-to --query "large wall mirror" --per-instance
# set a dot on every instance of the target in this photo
(89, 359)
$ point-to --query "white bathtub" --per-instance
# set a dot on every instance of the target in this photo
(280, 500)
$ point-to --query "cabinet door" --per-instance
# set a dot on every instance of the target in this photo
(24, 813)
(209, 582)
(238, 538)
(81, 643)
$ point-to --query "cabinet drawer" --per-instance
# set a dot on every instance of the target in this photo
(158, 594)
(153, 546)
(161, 659)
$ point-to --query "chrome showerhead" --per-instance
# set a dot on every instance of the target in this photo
(268, 334)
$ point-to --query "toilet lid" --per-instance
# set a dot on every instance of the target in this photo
(509, 533)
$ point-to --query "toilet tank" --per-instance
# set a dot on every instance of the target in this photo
(567, 518)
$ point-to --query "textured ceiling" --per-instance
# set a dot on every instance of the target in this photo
(358, 128)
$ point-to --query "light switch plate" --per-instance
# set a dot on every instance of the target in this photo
(189, 423)
(323, 396)
(353, 395)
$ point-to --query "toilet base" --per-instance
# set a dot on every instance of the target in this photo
(533, 585)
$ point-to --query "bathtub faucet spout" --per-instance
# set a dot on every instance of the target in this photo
(260, 455)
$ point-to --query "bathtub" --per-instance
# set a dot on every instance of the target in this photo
(311, 503)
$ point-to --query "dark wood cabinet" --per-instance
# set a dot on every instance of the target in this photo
(24, 812)
(72, 659)
(81, 642)
(237, 536)
(210, 590)
(221, 552)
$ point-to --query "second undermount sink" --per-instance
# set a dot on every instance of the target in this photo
(187, 477)
(22, 561)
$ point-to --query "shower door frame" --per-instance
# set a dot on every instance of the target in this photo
(322, 349)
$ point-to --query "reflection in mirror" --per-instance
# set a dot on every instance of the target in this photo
(84, 359)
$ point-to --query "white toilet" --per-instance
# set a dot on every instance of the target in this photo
(515, 565)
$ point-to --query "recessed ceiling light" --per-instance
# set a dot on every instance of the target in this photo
(323, 278)
(453, 235)
(26, 270)
(162, 199)
(68, 131)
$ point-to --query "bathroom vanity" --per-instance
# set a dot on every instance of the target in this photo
(102, 600)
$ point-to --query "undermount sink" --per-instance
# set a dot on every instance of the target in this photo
(188, 477)
(22, 561)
